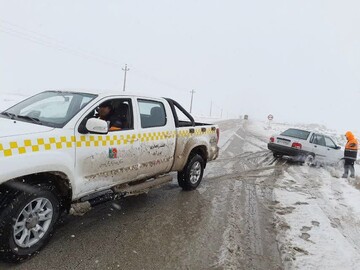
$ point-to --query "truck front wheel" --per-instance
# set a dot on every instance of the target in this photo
(27, 219)
(190, 177)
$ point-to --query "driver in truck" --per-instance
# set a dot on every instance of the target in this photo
(106, 113)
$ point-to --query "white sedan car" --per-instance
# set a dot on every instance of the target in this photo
(307, 146)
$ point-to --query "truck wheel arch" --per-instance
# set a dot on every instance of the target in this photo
(58, 179)
(200, 150)
(181, 158)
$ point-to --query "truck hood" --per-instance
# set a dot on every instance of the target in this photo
(10, 128)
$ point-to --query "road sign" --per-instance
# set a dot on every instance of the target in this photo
(270, 117)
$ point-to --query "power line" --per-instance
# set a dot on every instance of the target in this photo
(57, 46)
(50, 42)
(53, 43)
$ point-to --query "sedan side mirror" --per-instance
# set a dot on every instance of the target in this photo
(98, 126)
(337, 147)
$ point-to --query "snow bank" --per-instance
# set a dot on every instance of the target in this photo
(322, 222)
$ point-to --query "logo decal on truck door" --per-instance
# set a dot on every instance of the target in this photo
(113, 153)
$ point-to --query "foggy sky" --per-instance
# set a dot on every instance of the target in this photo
(299, 60)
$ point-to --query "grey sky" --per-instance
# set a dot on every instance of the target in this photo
(299, 60)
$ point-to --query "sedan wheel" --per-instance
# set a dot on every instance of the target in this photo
(309, 160)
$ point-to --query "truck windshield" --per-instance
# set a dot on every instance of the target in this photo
(296, 133)
(50, 108)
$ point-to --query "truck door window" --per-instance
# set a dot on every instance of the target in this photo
(117, 113)
(152, 113)
(122, 112)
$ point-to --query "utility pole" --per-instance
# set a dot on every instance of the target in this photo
(126, 69)
(210, 108)
(221, 113)
(192, 95)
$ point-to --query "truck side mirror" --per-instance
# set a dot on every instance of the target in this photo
(98, 126)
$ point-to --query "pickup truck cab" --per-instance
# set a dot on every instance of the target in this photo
(55, 150)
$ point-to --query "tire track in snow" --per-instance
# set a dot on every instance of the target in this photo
(249, 238)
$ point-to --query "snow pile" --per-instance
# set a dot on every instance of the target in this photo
(322, 221)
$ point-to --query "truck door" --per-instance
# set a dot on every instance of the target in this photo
(157, 137)
(107, 160)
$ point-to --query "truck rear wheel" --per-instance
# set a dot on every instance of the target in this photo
(27, 219)
(191, 176)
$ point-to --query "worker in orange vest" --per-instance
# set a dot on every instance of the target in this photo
(350, 154)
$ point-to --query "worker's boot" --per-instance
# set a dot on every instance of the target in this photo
(346, 171)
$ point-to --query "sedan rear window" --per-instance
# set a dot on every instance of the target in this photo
(296, 133)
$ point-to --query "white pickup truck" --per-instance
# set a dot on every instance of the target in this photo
(57, 149)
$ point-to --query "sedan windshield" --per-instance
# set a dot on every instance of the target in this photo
(51, 108)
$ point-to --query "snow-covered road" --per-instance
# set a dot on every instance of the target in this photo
(250, 212)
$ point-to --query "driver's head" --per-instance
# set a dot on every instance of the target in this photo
(105, 109)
